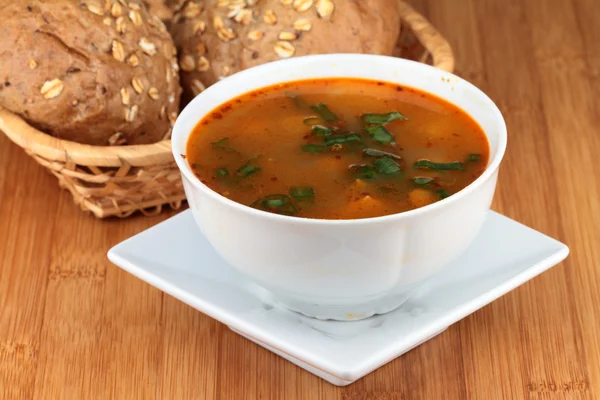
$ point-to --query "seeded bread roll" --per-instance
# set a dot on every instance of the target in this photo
(216, 38)
(98, 72)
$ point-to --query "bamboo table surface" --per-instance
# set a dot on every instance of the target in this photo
(73, 326)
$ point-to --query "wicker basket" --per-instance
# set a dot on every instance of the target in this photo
(120, 180)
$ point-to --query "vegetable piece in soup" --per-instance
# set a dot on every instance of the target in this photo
(337, 149)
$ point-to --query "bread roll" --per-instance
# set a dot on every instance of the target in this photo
(216, 38)
(95, 72)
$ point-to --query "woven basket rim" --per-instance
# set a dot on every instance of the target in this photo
(54, 149)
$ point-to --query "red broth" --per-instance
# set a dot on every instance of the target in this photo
(337, 148)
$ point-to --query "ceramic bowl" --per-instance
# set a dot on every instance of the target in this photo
(343, 269)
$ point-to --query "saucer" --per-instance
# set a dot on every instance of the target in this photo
(174, 257)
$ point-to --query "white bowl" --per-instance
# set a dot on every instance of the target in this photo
(343, 269)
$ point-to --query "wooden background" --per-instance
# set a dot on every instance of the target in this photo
(73, 326)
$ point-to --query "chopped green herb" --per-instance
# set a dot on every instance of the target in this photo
(431, 184)
(321, 130)
(381, 119)
(442, 193)
(379, 153)
(310, 121)
(324, 112)
(364, 172)
(314, 148)
(473, 157)
(331, 140)
(221, 143)
(197, 166)
(222, 172)
(276, 203)
(386, 166)
(427, 164)
(380, 134)
(247, 169)
(302, 192)
(422, 180)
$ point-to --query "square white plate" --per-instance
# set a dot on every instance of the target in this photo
(174, 257)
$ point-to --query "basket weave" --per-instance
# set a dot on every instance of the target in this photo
(120, 180)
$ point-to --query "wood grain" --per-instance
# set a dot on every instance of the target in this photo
(73, 326)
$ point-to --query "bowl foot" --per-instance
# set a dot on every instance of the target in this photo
(342, 311)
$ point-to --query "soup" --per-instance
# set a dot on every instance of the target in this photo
(337, 148)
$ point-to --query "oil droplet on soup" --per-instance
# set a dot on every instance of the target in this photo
(337, 149)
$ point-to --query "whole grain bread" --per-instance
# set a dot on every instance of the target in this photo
(216, 38)
(99, 72)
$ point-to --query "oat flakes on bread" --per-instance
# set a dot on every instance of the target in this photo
(98, 72)
(216, 38)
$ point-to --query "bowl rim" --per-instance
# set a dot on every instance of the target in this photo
(187, 113)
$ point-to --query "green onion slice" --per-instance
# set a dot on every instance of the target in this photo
(331, 140)
(321, 130)
(247, 170)
(422, 180)
(222, 172)
(442, 193)
(222, 144)
(302, 192)
(276, 203)
(379, 153)
(386, 166)
(430, 183)
(450, 166)
(324, 112)
(363, 172)
(473, 157)
(380, 134)
(382, 119)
